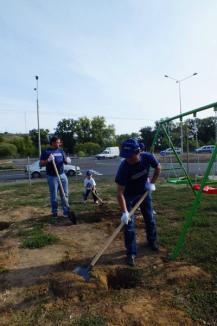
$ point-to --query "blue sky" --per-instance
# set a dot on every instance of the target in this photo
(105, 57)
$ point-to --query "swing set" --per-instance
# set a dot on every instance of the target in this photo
(199, 188)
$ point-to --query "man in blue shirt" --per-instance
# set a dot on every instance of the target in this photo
(55, 153)
(132, 181)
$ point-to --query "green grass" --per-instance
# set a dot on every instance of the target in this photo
(6, 167)
(36, 238)
(197, 298)
(3, 270)
(88, 320)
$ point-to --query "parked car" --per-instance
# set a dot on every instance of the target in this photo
(205, 149)
(36, 171)
(169, 151)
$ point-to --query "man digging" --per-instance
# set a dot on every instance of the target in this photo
(132, 181)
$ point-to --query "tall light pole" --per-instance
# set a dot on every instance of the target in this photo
(39, 135)
(178, 81)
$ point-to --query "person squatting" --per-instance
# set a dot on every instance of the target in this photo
(90, 187)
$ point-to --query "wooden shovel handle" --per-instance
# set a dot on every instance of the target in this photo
(60, 183)
(116, 231)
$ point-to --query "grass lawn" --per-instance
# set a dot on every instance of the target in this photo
(38, 254)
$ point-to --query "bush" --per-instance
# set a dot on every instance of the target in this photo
(81, 154)
(88, 148)
(7, 150)
(24, 145)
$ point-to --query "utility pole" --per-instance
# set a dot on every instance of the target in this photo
(39, 135)
(178, 81)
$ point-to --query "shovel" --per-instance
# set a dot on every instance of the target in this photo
(99, 199)
(85, 271)
(71, 214)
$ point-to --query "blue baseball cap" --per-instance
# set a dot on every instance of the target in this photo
(89, 173)
(142, 146)
(129, 147)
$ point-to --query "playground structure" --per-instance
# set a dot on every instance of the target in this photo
(197, 189)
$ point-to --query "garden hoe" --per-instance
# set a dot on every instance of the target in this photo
(85, 271)
(71, 214)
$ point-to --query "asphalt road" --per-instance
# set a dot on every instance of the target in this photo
(99, 167)
(106, 167)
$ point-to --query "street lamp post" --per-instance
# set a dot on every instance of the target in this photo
(178, 81)
(39, 135)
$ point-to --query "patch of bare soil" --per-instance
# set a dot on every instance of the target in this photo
(22, 214)
(125, 296)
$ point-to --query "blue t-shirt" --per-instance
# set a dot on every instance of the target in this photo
(134, 176)
(60, 158)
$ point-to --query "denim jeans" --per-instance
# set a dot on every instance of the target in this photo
(54, 187)
(149, 219)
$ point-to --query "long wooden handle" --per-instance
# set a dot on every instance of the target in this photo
(116, 231)
(97, 196)
(60, 183)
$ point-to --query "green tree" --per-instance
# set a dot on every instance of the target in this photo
(88, 148)
(84, 130)
(206, 130)
(66, 130)
(23, 144)
(43, 135)
(121, 138)
(7, 150)
(147, 135)
(101, 133)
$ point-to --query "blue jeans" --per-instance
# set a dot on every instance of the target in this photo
(54, 187)
(149, 219)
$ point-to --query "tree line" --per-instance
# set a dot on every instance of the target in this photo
(86, 136)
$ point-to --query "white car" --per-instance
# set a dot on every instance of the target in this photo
(36, 171)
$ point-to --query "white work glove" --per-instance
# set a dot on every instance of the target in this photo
(150, 186)
(125, 217)
(50, 158)
(68, 160)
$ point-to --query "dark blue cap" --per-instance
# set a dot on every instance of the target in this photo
(129, 147)
(142, 146)
(89, 173)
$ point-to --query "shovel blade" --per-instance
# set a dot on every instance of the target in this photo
(83, 271)
(72, 217)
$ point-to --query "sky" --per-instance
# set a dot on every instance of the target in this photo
(107, 58)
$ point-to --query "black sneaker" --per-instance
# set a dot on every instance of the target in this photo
(154, 246)
(55, 215)
(130, 260)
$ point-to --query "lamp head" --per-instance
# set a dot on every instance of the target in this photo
(36, 77)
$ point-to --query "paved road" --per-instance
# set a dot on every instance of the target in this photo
(101, 167)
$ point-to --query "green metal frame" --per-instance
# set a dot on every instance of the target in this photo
(198, 195)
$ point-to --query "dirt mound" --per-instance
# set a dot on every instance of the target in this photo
(180, 273)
